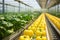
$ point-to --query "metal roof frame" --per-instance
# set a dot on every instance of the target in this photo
(53, 3)
(9, 4)
(42, 3)
(23, 3)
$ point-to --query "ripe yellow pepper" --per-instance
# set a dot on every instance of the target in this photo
(24, 37)
(38, 38)
(44, 38)
(38, 33)
(28, 32)
(32, 28)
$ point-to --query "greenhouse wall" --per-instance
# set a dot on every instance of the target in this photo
(13, 6)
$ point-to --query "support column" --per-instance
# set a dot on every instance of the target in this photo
(19, 7)
(3, 10)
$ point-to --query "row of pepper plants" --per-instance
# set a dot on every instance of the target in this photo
(11, 22)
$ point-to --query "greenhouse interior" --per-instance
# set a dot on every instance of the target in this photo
(29, 19)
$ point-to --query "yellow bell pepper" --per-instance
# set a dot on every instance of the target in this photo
(28, 32)
(44, 38)
(24, 37)
(38, 38)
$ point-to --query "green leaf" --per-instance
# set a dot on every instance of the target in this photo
(9, 24)
(11, 31)
(17, 19)
(4, 22)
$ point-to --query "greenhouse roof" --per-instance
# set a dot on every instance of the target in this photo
(36, 4)
(42, 3)
(45, 4)
(53, 3)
